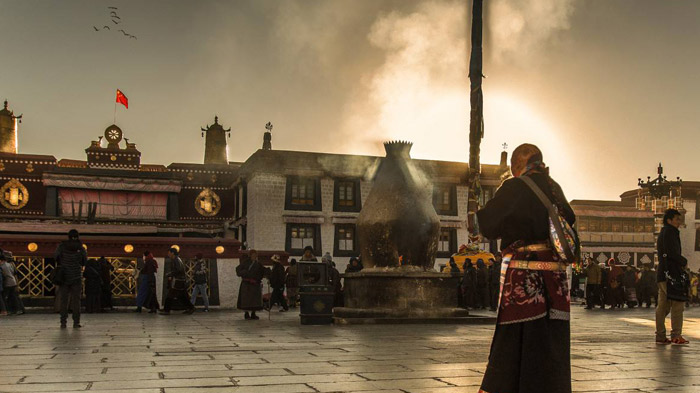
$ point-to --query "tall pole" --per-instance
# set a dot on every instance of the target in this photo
(476, 119)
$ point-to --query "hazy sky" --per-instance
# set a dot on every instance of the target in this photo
(607, 88)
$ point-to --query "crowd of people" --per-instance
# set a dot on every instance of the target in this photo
(611, 285)
(281, 280)
(479, 285)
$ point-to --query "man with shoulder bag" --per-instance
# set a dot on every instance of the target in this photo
(672, 280)
(177, 285)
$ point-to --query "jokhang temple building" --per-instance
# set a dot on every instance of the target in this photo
(276, 201)
(122, 207)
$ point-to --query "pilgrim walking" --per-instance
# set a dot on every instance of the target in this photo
(177, 285)
(251, 272)
(146, 295)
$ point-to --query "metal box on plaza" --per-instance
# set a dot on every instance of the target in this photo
(316, 294)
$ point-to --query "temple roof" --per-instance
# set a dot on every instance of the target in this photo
(349, 165)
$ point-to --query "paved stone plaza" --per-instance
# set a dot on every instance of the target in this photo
(612, 351)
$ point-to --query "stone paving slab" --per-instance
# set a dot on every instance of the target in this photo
(612, 351)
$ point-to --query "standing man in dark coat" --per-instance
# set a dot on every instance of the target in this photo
(250, 292)
(278, 278)
(454, 271)
(71, 257)
(531, 346)
(106, 269)
(177, 285)
(482, 289)
(469, 284)
(672, 280)
(593, 279)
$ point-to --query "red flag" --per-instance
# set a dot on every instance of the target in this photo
(121, 98)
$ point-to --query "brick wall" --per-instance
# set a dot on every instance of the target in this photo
(266, 228)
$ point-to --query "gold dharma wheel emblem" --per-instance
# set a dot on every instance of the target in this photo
(319, 305)
(207, 203)
(14, 195)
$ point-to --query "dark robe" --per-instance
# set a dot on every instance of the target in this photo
(106, 269)
(530, 351)
(250, 291)
(468, 285)
(93, 286)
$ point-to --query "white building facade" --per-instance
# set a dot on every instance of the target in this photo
(288, 200)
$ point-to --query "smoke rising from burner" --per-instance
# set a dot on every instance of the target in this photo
(421, 90)
(519, 29)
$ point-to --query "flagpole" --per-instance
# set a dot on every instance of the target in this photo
(115, 112)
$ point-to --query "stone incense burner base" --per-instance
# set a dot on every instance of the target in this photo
(401, 295)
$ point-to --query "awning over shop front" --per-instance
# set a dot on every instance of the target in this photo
(134, 246)
(92, 182)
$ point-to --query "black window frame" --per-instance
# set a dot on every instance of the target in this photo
(300, 251)
(337, 252)
(452, 243)
(288, 205)
(438, 190)
(357, 195)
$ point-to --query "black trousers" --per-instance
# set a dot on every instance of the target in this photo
(495, 291)
(106, 301)
(12, 301)
(593, 295)
(482, 298)
(71, 293)
(530, 357)
(177, 295)
(277, 297)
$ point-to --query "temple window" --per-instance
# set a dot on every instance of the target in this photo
(447, 244)
(303, 193)
(302, 235)
(346, 195)
(445, 199)
(345, 242)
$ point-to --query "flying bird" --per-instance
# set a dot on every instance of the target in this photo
(116, 19)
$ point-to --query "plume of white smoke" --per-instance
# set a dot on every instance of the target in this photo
(421, 88)
(421, 91)
(519, 28)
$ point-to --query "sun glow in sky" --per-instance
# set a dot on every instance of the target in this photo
(594, 84)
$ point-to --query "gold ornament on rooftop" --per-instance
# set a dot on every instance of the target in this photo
(14, 195)
(207, 203)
